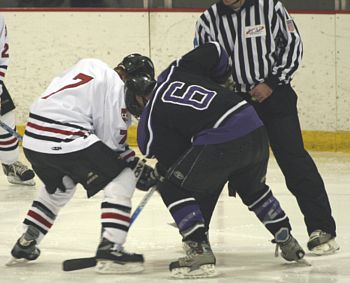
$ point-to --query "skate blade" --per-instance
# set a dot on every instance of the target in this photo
(15, 181)
(110, 267)
(328, 248)
(303, 262)
(16, 261)
(204, 271)
(173, 224)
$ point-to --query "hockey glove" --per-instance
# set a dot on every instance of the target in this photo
(137, 166)
(150, 177)
(147, 179)
(142, 173)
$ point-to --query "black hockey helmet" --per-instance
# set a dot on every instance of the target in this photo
(139, 85)
(135, 64)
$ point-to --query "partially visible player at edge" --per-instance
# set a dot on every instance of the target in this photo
(202, 136)
(16, 172)
(77, 133)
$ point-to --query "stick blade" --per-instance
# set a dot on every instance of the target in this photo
(78, 263)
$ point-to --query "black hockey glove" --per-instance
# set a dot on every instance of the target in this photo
(149, 178)
(143, 173)
(137, 166)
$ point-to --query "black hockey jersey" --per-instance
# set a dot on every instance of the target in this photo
(190, 107)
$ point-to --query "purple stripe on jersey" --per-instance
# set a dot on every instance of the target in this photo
(221, 68)
(142, 131)
(187, 216)
(236, 126)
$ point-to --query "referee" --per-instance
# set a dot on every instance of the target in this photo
(265, 49)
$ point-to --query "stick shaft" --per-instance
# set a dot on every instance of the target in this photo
(10, 130)
(142, 204)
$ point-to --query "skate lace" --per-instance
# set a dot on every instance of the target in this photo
(290, 245)
(19, 167)
(317, 234)
(123, 251)
(194, 250)
(273, 241)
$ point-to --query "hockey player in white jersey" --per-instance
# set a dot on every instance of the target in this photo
(77, 133)
(16, 172)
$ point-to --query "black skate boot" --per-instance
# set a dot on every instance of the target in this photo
(111, 258)
(290, 248)
(199, 262)
(26, 248)
(322, 243)
(18, 173)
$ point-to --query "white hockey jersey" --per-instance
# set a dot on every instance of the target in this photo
(83, 105)
(4, 49)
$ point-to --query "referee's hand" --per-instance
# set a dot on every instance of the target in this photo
(260, 92)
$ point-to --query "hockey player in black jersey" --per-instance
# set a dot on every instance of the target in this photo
(203, 136)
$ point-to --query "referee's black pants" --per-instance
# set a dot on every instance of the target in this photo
(279, 114)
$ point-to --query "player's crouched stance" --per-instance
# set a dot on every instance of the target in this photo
(76, 133)
(204, 136)
(110, 255)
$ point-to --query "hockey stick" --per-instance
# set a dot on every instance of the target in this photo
(142, 204)
(87, 262)
(10, 130)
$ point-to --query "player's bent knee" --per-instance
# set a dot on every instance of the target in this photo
(68, 182)
(122, 186)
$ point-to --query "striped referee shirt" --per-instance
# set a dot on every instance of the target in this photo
(261, 38)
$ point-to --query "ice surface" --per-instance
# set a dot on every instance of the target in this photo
(241, 244)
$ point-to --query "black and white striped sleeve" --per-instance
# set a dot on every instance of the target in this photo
(289, 45)
(203, 30)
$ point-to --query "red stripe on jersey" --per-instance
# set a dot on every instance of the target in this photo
(39, 218)
(14, 140)
(115, 216)
(2, 74)
(126, 157)
(57, 131)
(123, 140)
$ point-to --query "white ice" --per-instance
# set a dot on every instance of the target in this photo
(241, 244)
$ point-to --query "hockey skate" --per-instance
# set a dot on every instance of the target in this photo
(199, 262)
(322, 243)
(111, 258)
(186, 244)
(290, 248)
(18, 173)
(25, 248)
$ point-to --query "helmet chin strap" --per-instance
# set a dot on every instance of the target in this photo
(141, 101)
